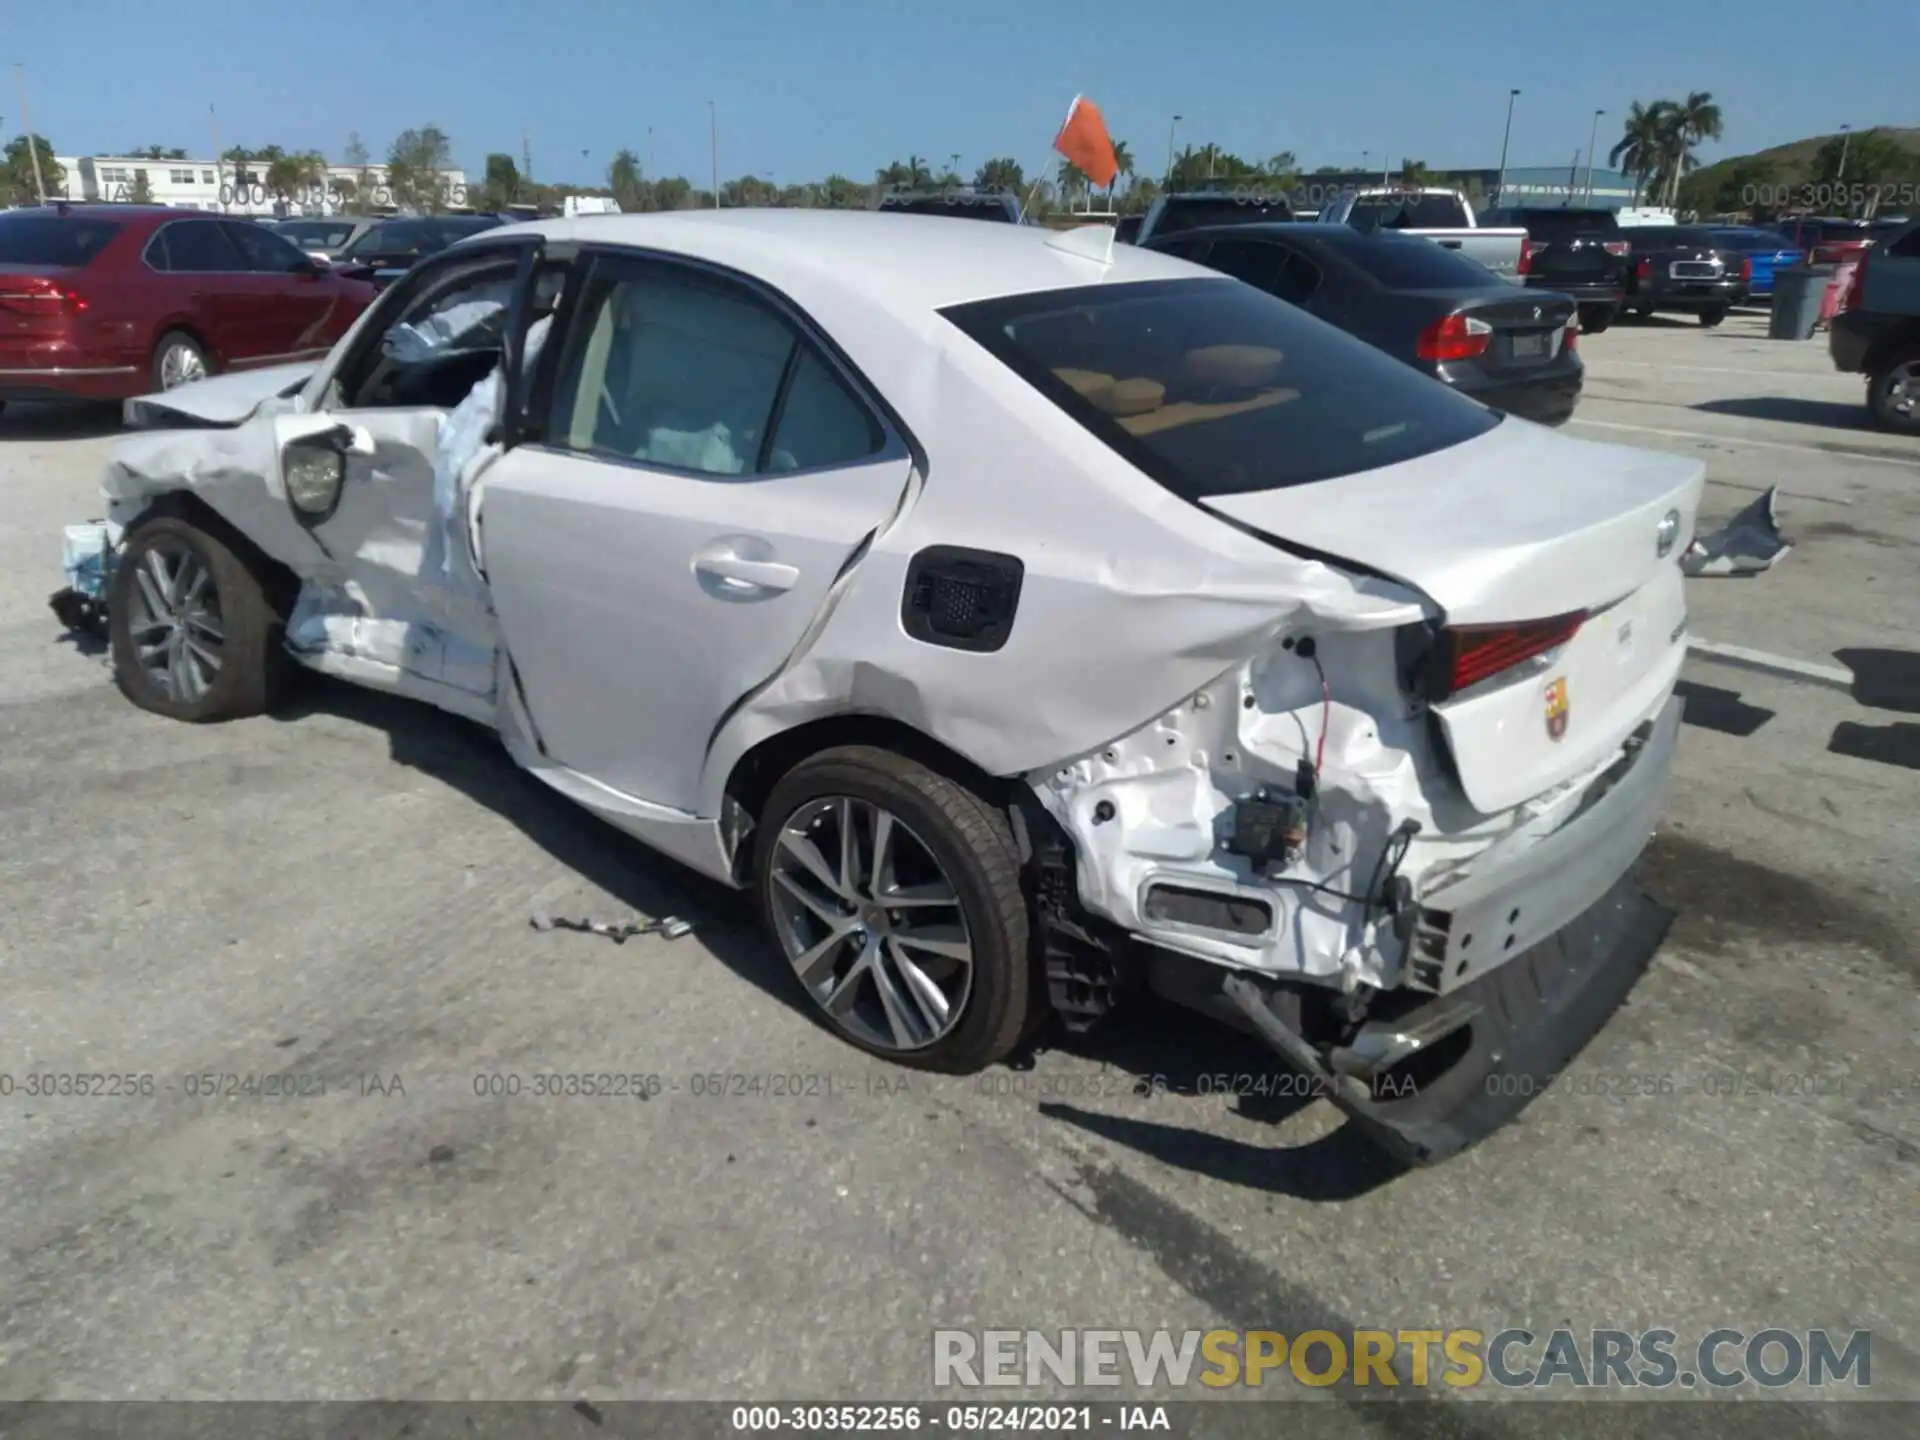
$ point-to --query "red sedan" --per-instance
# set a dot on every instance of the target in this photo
(100, 302)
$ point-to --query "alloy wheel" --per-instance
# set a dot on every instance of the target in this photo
(179, 364)
(1903, 390)
(175, 624)
(871, 923)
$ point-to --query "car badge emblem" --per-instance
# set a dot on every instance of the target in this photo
(1537, 312)
(1666, 534)
(1558, 708)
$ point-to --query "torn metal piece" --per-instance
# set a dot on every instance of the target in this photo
(668, 927)
(1748, 544)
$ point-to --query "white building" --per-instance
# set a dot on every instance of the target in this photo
(234, 189)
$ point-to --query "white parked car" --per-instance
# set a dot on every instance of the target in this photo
(1031, 625)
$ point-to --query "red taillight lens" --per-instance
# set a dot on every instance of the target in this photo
(1644, 270)
(1479, 652)
(1571, 336)
(1526, 258)
(1457, 337)
(1856, 284)
(73, 300)
(1617, 247)
(1746, 269)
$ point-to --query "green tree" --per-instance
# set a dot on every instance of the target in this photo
(1643, 147)
(674, 193)
(415, 165)
(156, 152)
(840, 193)
(1414, 174)
(1000, 173)
(502, 186)
(628, 185)
(1283, 169)
(1874, 161)
(1328, 170)
(293, 176)
(1123, 165)
(1686, 124)
(21, 188)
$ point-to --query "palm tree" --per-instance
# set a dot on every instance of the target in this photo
(1642, 138)
(1695, 119)
(1123, 166)
(1072, 179)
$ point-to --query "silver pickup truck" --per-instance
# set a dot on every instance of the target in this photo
(1442, 216)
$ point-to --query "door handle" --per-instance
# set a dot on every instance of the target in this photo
(737, 573)
(1449, 244)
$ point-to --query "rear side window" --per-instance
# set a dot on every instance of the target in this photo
(51, 241)
(675, 369)
(198, 247)
(1215, 388)
(1405, 262)
(265, 251)
(1267, 266)
(1408, 212)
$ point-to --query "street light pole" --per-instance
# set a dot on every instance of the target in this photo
(219, 165)
(1500, 193)
(1168, 179)
(713, 143)
(1592, 132)
(33, 145)
(1838, 175)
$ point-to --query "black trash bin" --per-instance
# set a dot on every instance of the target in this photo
(1797, 293)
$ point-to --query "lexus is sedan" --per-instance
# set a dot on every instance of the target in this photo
(1030, 625)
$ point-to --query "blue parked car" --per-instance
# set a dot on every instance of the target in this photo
(1766, 248)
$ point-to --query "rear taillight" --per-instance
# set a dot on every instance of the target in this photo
(1472, 653)
(1570, 337)
(1526, 258)
(1644, 270)
(1617, 247)
(1856, 285)
(1746, 268)
(1457, 337)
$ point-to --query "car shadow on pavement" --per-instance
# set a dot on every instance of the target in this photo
(58, 420)
(471, 759)
(1174, 1056)
(1834, 414)
(1179, 1059)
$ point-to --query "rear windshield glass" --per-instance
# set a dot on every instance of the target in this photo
(1192, 212)
(1408, 212)
(1567, 224)
(327, 233)
(1215, 388)
(1406, 262)
(50, 240)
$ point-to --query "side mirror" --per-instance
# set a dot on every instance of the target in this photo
(314, 469)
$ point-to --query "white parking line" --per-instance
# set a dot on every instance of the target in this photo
(1866, 455)
(1853, 380)
(1766, 663)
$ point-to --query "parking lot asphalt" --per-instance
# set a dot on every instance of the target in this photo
(341, 893)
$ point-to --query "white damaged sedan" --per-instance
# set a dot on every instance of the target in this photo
(1032, 625)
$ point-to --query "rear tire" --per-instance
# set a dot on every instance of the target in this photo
(178, 360)
(1595, 318)
(193, 634)
(1893, 392)
(1712, 316)
(944, 840)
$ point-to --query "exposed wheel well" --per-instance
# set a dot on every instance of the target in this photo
(279, 583)
(759, 770)
(1900, 340)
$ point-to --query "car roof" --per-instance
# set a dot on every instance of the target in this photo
(75, 210)
(907, 263)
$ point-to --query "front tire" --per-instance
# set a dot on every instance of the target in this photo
(1595, 318)
(894, 894)
(193, 633)
(1893, 392)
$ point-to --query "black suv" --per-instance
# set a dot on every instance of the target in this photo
(1686, 268)
(1877, 332)
(958, 204)
(1571, 251)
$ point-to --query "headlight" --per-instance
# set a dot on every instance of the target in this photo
(314, 475)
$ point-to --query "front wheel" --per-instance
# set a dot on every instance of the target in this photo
(194, 635)
(1712, 316)
(894, 894)
(1595, 318)
(1893, 393)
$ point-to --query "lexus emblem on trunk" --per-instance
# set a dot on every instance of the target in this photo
(1537, 312)
(1668, 532)
(1558, 707)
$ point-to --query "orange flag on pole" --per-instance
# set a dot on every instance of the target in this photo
(1085, 142)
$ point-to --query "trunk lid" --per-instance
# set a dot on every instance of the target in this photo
(1529, 329)
(1521, 524)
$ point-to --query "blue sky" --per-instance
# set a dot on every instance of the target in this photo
(804, 89)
